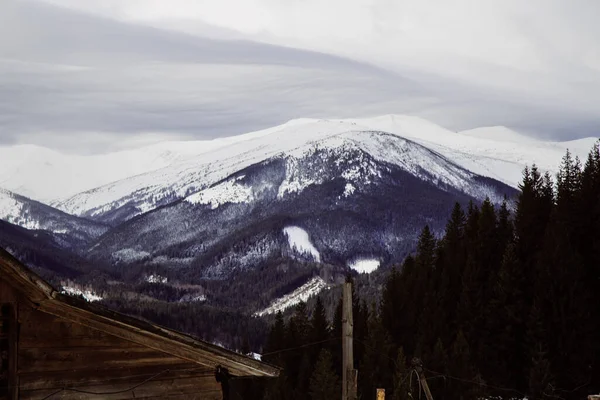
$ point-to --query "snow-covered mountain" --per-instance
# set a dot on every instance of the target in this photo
(495, 152)
(66, 229)
(267, 212)
(356, 195)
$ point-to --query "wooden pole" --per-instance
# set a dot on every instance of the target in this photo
(349, 374)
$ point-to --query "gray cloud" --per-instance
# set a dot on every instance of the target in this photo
(85, 83)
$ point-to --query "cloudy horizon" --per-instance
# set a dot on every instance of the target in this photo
(97, 76)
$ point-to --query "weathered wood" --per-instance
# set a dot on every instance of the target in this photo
(32, 360)
(8, 294)
(155, 388)
(65, 342)
(101, 375)
(349, 374)
(173, 343)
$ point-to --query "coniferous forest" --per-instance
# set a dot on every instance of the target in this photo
(505, 304)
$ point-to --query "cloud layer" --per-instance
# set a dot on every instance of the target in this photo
(119, 74)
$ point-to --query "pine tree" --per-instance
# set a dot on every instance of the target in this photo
(319, 330)
(540, 378)
(377, 362)
(508, 323)
(335, 346)
(324, 383)
(401, 384)
(276, 341)
(451, 263)
(462, 366)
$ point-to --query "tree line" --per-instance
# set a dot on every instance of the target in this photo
(504, 304)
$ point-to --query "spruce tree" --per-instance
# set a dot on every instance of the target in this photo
(324, 383)
(319, 330)
(401, 377)
(508, 324)
(376, 366)
(452, 263)
(462, 367)
(541, 384)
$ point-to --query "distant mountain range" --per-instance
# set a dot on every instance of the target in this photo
(250, 220)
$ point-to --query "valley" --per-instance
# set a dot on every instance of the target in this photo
(253, 224)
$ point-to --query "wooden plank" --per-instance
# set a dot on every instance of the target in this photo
(101, 375)
(160, 339)
(81, 358)
(39, 342)
(39, 330)
(8, 294)
(156, 388)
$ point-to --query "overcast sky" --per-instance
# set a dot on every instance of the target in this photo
(97, 75)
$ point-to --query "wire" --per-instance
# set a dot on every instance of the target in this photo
(106, 393)
(477, 383)
(300, 347)
(414, 372)
(375, 350)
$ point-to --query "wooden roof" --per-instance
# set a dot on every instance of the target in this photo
(45, 298)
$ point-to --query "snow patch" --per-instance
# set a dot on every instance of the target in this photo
(129, 255)
(193, 298)
(255, 356)
(302, 294)
(299, 240)
(156, 279)
(14, 211)
(364, 265)
(349, 189)
(294, 182)
(229, 191)
(87, 294)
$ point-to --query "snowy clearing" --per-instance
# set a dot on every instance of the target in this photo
(364, 266)
(299, 240)
(227, 192)
(303, 293)
(87, 294)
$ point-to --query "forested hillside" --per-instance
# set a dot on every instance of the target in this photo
(505, 304)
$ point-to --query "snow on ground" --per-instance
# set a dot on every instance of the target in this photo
(229, 191)
(299, 240)
(256, 356)
(87, 294)
(156, 279)
(193, 298)
(11, 210)
(303, 293)
(349, 189)
(365, 265)
(129, 255)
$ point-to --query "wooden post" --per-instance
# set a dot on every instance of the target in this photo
(349, 374)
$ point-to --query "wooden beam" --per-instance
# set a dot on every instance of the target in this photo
(126, 390)
(87, 377)
(33, 360)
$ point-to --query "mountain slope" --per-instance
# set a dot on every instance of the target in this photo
(67, 230)
(356, 194)
(490, 157)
